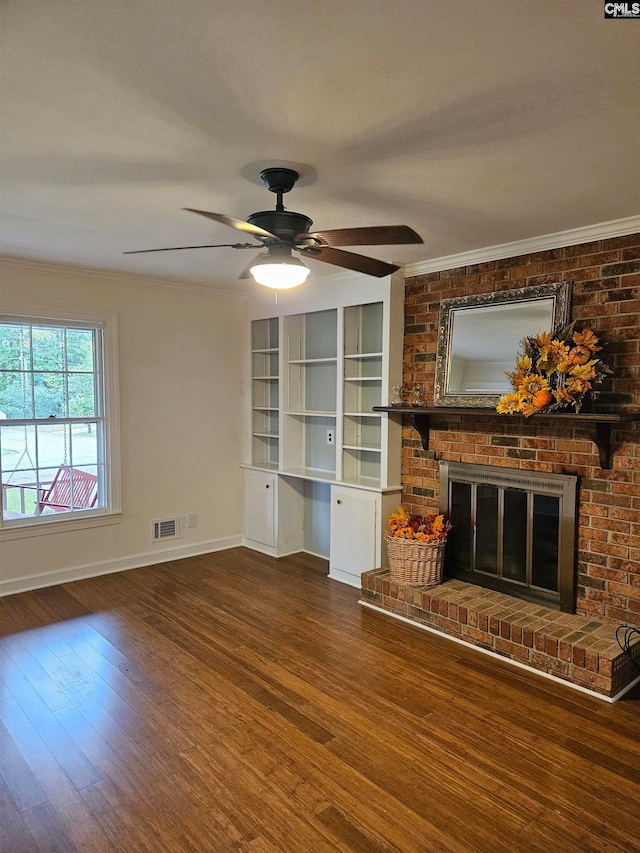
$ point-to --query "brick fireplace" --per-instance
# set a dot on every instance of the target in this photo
(605, 279)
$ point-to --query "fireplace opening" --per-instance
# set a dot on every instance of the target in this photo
(513, 531)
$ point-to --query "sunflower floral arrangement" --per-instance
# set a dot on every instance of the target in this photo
(418, 528)
(554, 371)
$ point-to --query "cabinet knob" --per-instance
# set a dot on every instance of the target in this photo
(338, 501)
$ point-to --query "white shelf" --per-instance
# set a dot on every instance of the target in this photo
(311, 414)
(261, 466)
(363, 355)
(266, 435)
(363, 378)
(332, 360)
(361, 447)
(267, 351)
(265, 377)
(362, 414)
(319, 475)
(265, 409)
(363, 482)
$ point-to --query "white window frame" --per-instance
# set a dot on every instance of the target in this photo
(111, 512)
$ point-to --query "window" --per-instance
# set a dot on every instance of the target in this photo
(56, 421)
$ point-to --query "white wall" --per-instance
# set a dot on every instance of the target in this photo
(181, 356)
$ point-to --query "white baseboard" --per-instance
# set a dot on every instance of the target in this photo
(315, 554)
(268, 550)
(345, 577)
(122, 564)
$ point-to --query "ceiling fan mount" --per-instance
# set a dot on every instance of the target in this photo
(282, 231)
(279, 180)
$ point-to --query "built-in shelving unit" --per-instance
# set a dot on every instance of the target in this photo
(325, 466)
(602, 422)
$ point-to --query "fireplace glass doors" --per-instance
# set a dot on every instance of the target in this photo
(513, 531)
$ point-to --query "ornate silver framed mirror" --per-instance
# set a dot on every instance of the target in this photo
(479, 337)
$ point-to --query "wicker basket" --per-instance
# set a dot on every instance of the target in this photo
(417, 563)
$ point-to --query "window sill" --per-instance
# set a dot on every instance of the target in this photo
(44, 528)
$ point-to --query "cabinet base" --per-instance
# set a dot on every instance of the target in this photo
(269, 550)
(345, 577)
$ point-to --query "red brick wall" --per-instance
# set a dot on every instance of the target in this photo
(605, 277)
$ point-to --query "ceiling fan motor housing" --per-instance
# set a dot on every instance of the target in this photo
(285, 224)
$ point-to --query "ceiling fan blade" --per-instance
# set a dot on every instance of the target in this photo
(246, 272)
(240, 224)
(376, 235)
(212, 246)
(349, 260)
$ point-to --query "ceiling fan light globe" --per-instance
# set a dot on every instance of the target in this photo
(278, 273)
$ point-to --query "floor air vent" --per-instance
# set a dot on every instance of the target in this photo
(167, 528)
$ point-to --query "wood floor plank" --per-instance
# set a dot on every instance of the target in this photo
(46, 831)
(62, 794)
(8, 809)
(141, 713)
(348, 835)
(236, 703)
(15, 837)
(37, 677)
(118, 817)
(136, 776)
(75, 763)
(17, 775)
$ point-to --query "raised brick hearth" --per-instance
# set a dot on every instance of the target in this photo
(579, 649)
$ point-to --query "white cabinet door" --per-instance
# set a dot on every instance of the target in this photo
(259, 506)
(354, 532)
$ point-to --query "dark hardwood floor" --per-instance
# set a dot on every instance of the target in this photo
(234, 702)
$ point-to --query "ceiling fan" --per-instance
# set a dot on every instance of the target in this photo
(280, 232)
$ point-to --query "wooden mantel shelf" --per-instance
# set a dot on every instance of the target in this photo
(603, 423)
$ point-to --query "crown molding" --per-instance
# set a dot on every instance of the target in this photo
(27, 265)
(572, 237)
(47, 268)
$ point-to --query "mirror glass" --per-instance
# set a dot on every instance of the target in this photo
(480, 336)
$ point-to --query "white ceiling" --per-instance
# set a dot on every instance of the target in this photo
(475, 122)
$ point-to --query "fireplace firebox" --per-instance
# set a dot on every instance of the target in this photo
(513, 531)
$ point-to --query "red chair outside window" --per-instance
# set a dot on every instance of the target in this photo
(58, 495)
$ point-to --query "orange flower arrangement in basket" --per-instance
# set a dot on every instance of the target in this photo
(418, 528)
(415, 547)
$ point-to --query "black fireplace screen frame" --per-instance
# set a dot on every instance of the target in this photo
(564, 487)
